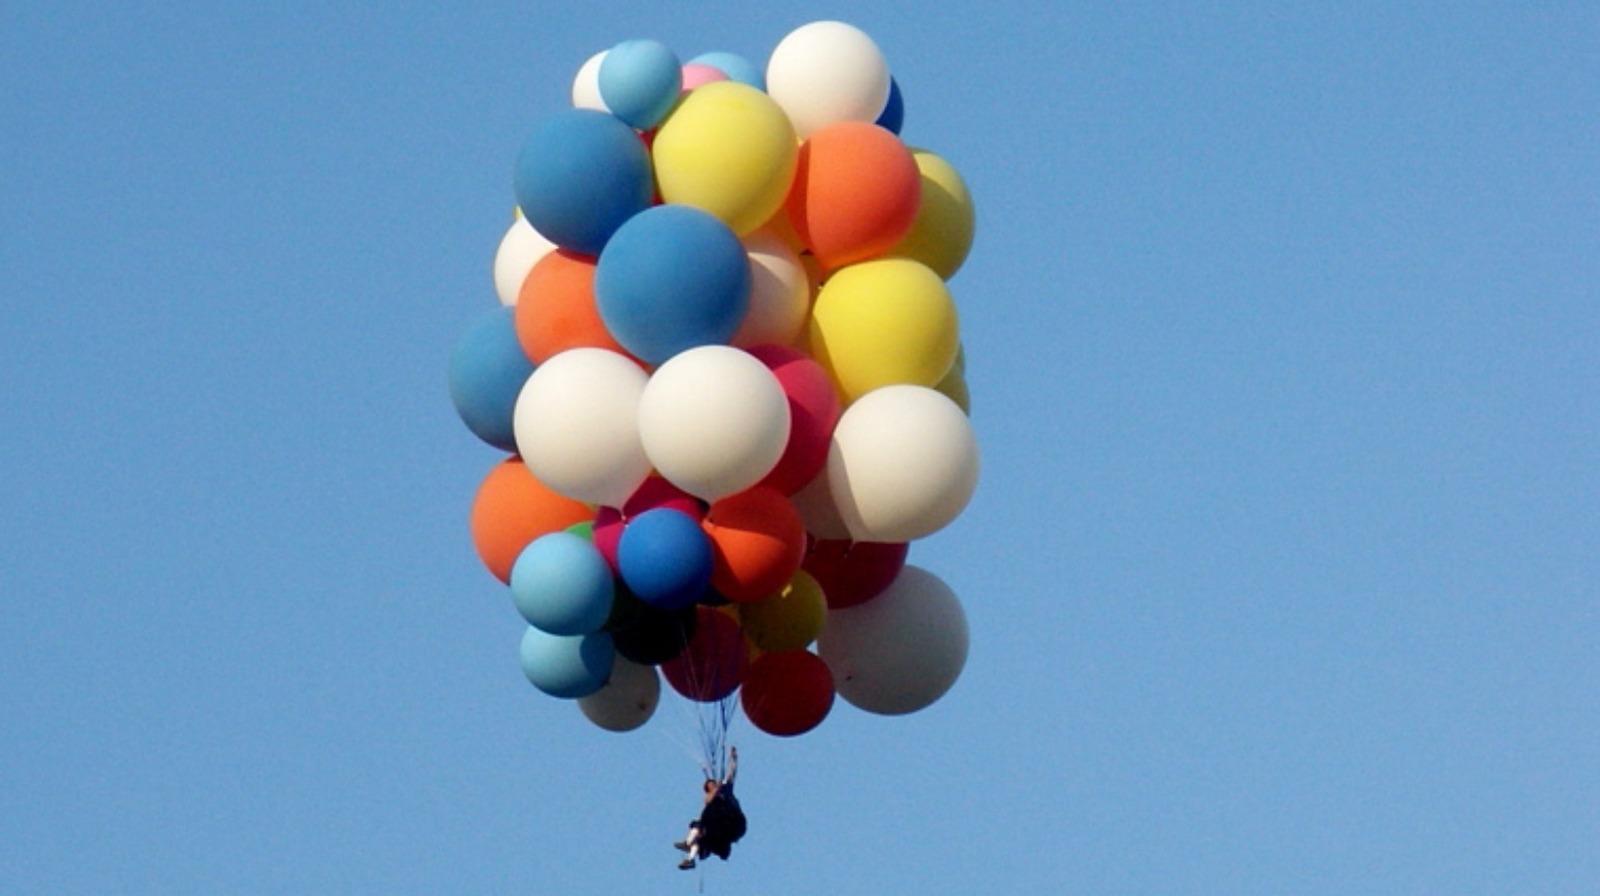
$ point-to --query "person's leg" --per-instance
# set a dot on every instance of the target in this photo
(690, 845)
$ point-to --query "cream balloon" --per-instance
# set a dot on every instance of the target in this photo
(586, 84)
(780, 293)
(819, 511)
(627, 700)
(520, 249)
(577, 425)
(900, 651)
(902, 465)
(713, 421)
(828, 72)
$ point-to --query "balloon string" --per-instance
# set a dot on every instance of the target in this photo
(714, 718)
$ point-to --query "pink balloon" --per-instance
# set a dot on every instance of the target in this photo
(696, 73)
(813, 412)
(654, 492)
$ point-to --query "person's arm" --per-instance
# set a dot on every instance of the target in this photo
(733, 766)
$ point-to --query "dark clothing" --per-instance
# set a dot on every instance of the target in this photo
(721, 824)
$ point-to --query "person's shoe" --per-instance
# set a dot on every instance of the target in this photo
(686, 864)
(681, 846)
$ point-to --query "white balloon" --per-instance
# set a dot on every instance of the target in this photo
(900, 651)
(577, 425)
(714, 420)
(520, 249)
(780, 293)
(902, 465)
(627, 701)
(827, 72)
(586, 84)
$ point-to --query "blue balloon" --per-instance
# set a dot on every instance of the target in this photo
(562, 584)
(567, 666)
(893, 116)
(581, 174)
(640, 81)
(487, 370)
(672, 278)
(736, 67)
(665, 558)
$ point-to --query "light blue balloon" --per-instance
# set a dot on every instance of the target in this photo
(562, 584)
(673, 277)
(640, 81)
(487, 370)
(581, 174)
(736, 67)
(567, 666)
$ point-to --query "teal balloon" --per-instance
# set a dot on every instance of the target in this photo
(567, 666)
(561, 584)
(640, 81)
(487, 370)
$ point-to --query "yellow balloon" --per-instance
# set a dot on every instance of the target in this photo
(788, 620)
(941, 235)
(728, 149)
(884, 322)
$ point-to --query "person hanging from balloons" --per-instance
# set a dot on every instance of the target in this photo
(721, 822)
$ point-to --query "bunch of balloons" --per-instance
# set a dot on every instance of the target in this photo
(728, 372)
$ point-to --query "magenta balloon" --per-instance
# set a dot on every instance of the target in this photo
(654, 492)
(813, 412)
(697, 73)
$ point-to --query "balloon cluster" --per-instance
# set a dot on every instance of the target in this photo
(727, 368)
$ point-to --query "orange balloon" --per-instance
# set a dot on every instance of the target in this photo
(556, 308)
(757, 543)
(512, 509)
(855, 194)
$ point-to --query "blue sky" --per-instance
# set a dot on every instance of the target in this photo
(1281, 330)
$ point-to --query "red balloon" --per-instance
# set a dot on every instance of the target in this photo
(714, 665)
(787, 693)
(854, 572)
(813, 412)
(757, 543)
(652, 493)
